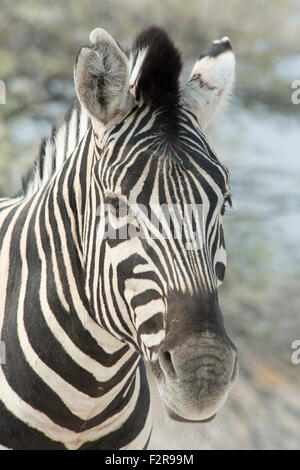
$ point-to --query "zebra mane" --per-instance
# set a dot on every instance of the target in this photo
(155, 69)
(55, 149)
(155, 65)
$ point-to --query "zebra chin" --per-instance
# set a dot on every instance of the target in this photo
(195, 377)
(181, 406)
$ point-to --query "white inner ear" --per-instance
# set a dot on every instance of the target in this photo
(209, 86)
(101, 78)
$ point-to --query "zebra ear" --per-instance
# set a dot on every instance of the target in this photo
(211, 81)
(101, 77)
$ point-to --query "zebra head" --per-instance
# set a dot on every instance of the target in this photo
(154, 241)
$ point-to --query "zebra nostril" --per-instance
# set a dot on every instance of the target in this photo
(166, 363)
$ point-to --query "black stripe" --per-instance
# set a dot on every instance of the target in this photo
(132, 427)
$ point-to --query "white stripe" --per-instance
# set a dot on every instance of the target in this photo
(154, 339)
(71, 439)
(147, 311)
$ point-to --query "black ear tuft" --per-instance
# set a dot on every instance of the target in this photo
(158, 80)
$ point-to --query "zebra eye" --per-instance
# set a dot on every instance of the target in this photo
(118, 204)
(227, 200)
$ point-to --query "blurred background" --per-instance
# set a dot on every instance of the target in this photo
(258, 138)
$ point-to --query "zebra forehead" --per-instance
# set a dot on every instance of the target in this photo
(157, 162)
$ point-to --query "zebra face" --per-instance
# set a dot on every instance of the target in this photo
(160, 194)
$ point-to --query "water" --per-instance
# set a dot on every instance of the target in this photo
(262, 150)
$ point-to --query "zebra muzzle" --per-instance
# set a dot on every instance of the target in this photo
(196, 376)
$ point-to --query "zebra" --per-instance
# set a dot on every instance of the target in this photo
(82, 312)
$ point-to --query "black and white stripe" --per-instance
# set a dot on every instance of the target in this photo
(78, 310)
